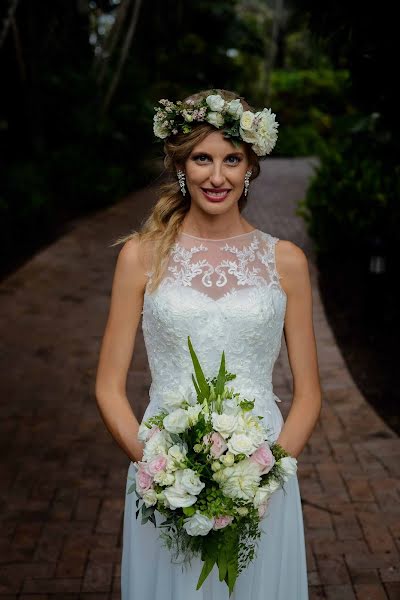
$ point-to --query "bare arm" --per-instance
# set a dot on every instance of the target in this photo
(299, 334)
(117, 348)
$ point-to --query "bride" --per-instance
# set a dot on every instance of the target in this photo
(198, 268)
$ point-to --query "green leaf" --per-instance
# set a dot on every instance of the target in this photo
(202, 382)
(219, 387)
(222, 564)
(206, 570)
(232, 576)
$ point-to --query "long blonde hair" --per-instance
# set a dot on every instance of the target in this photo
(165, 220)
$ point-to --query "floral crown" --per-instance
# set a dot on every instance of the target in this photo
(259, 129)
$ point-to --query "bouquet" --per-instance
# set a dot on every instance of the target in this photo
(210, 470)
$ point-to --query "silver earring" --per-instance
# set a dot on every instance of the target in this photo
(246, 182)
(181, 177)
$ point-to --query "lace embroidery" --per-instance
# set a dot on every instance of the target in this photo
(187, 270)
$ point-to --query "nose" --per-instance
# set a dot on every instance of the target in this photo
(217, 177)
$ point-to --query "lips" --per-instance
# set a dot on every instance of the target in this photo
(215, 195)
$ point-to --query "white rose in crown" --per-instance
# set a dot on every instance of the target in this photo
(247, 120)
(224, 424)
(241, 480)
(215, 102)
(240, 443)
(289, 466)
(234, 108)
(198, 524)
(215, 118)
(160, 130)
(177, 421)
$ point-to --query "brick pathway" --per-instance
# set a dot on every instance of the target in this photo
(63, 477)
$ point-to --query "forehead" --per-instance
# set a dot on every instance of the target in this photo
(215, 143)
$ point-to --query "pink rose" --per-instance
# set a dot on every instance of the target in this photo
(262, 509)
(264, 458)
(223, 521)
(156, 464)
(144, 479)
(218, 446)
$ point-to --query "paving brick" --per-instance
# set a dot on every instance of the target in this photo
(370, 591)
(339, 592)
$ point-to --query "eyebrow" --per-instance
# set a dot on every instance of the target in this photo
(234, 153)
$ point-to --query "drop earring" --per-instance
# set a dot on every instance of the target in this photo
(247, 182)
(181, 177)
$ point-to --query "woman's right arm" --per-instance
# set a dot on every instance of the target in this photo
(117, 348)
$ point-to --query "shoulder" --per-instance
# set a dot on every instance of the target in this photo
(132, 262)
(291, 264)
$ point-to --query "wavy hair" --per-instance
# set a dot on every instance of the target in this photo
(165, 219)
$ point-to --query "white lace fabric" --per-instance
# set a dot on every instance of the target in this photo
(226, 295)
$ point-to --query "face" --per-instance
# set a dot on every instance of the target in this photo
(215, 172)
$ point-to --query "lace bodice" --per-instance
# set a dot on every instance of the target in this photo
(226, 295)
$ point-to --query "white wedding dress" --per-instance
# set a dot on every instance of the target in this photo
(226, 295)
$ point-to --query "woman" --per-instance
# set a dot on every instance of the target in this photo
(199, 268)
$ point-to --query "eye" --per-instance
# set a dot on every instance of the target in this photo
(236, 159)
(199, 158)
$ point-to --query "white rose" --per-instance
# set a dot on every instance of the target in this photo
(224, 424)
(143, 432)
(177, 421)
(272, 486)
(160, 130)
(215, 102)
(230, 406)
(150, 497)
(261, 496)
(251, 426)
(198, 524)
(228, 459)
(164, 478)
(190, 481)
(177, 453)
(157, 444)
(215, 118)
(289, 465)
(176, 397)
(241, 480)
(248, 136)
(235, 108)
(240, 443)
(246, 120)
(193, 414)
(177, 496)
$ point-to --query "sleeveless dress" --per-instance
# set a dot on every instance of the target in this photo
(226, 295)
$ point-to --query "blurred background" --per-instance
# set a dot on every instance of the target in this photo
(80, 81)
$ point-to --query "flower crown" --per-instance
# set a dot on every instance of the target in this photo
(237, 124)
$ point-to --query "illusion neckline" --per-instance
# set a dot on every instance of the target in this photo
(219, 239)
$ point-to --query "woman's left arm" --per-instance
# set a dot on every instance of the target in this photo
(292, 266)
